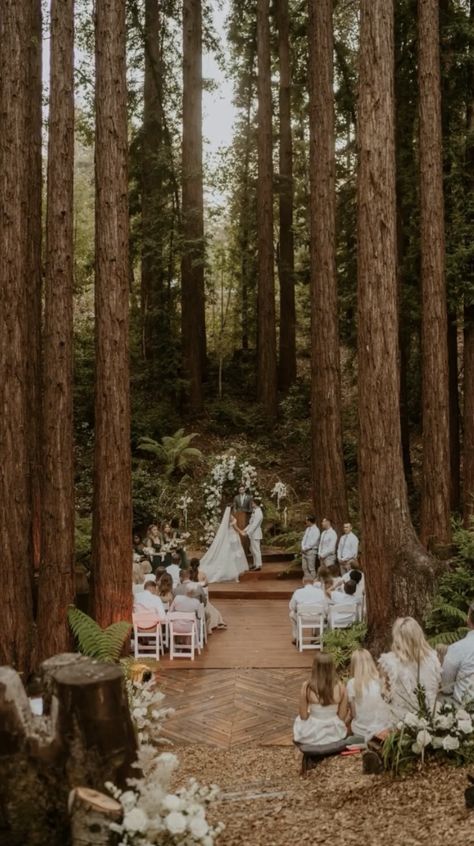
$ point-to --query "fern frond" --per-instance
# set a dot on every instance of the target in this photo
(448, 610)
(447, 638)
(102, 644)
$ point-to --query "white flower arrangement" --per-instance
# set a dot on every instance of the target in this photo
(280, 491)
(152, 814)
(227, 468)
(183, 504)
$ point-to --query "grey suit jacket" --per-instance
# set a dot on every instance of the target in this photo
(244, 504)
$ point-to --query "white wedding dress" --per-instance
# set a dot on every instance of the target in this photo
(225, 559)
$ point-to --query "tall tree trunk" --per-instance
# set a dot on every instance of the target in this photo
(152, 265)
(454, 442)
(266, 331)
(398, 569)
(329, 487)
(112, 516)
(435, 523)
(468, 417)
(56, 582)
(244, 221)
(15, 513)
(286, 263)
(34, 279)
(193, 323)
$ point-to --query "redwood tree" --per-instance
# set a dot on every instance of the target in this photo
(468, 457)
(193, 321)
(56, 583)
(266, 332)
(286, 259)
(112, 510)
(15, 512)
(435, 497)
(329, 487)
(398, 569)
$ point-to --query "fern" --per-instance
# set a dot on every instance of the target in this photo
(341, 643)
(448, 637)
(452, 612)
(174, 452)
(102, 644)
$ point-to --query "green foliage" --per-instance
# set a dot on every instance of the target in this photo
(174, 452)
(446, 618)
(102, 644)
(341, 643)
(83, 537)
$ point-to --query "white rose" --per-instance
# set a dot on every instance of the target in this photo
(450, 743)
(128, 800)
(437, 742)
(423, 738)
(465, 726)
(198, 827)
(444, 721)
(411, 720)
(172, 802)
(416, 748)
(135, 820)
(463, 715)
(175, 822)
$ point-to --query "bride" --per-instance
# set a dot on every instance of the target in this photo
(225, 559)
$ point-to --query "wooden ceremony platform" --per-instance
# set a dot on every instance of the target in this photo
(244, 686)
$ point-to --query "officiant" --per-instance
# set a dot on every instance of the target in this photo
(242, 509)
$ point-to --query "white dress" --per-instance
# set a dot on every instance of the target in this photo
(225, 559)
(403, 680)
(322, 726)
(372, 714)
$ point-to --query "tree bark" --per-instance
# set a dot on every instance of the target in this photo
(398, 571)
(34, 278)
(193, 317)
(435, 526)
(468, 416)
(112, 514)
(15, 510)
(328, 476)
(56, 580)
(454, 442)
(286, 259)
(266, 331)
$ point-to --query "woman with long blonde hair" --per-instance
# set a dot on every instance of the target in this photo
(369, 712)
(410, 667)
(323, 705)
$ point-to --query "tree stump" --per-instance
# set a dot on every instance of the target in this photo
(91, 814)
(86, 738)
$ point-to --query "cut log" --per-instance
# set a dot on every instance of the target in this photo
(91, 813)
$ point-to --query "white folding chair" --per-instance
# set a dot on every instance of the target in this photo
(183, 644)
(310, 619)
(147, 628)
(342, 615)
(202, 631)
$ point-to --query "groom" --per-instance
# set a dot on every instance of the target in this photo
(254, 533)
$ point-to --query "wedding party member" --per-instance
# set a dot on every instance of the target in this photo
(347, 548)
(254, 533)
(147, 600)
(457, 678)
(327, 545)
(323, 705)
(309, 547)
(369, 713)
(309, 594)
(225, 560)
(410, 663)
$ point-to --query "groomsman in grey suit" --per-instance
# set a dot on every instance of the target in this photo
(254, 532)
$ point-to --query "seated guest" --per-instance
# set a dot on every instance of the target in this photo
(165, 589)
(148, 600)
(174, 569)
(368, 711)
(410, 663)
(201, 577)
(323, 705)
(325, 580)
(457, 677)
(189, 603)
(138, 545)
(159, 572)
(184, 580)
(309, 594)
(213, 616)
(346, 597)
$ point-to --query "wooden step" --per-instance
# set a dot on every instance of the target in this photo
(271, 588)
(276, 556)
(273, 570)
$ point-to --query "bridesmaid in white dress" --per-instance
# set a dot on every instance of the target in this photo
(225, 559)
(323, 705)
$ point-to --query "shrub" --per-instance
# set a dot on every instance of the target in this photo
(341, 643)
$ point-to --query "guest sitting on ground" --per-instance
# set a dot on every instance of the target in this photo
(411, 663)
(368, 711)
(215, 617)
(309, 594)
(323, 705)
(165, 589)
(457, 678)
(147, 600)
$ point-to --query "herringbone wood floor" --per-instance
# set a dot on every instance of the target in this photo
(227, 708)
